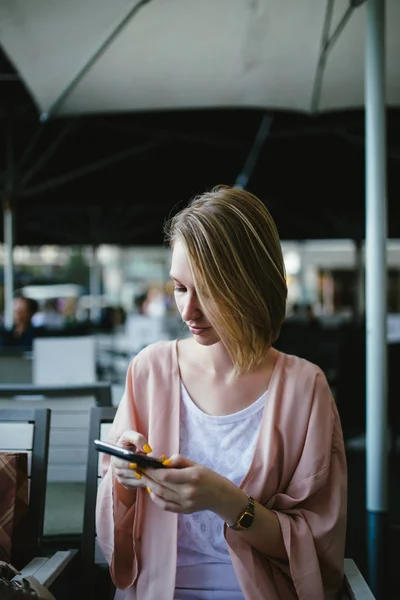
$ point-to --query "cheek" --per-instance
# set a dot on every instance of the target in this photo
(179, 302)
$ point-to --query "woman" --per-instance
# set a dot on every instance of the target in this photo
(252, 504)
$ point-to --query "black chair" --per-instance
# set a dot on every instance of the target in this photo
(94, 569)
(28, 430)
(70, 406)
(33, 437)
(101, 391)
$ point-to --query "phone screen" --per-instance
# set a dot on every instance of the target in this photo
(142, 460)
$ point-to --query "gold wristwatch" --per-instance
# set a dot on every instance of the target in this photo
(246, 518)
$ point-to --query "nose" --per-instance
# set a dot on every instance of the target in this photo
(191, 309)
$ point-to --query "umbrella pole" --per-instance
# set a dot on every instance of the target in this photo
(95, 287)
(360, 278)
(8, 265)
(376, 291)
(262, 134)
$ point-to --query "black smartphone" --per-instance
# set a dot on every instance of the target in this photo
(142, 460)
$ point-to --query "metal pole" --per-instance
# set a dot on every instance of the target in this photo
(95, 287)
(8, 266)
(376, 286)
(376, 263)
(92, 59)
(360, 279)
(263, 131)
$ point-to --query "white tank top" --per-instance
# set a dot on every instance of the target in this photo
(226, 445)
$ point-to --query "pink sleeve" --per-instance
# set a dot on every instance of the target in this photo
(115, 507)
(312, 510)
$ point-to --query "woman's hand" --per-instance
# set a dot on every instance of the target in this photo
(187, 487)
(128, 474)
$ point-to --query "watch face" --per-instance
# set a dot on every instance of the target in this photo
(246, 520)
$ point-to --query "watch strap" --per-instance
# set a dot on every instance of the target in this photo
(246, 518)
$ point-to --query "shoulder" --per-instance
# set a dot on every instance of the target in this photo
(304, 382)
(156, 359)
(300, 368)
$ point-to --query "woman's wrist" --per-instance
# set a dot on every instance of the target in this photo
(232, 502)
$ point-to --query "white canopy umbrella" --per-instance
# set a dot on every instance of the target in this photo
(91, 56)
(87, 56)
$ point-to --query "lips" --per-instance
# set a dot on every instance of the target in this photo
(197, 330)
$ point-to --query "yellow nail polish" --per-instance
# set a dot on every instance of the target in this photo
(133, 466)
(147, 448)
(167, 462)
(163, 457)
(149, 490)
(138, 475)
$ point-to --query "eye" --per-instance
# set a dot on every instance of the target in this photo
(179, 289)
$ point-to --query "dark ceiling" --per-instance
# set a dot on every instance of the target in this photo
(116, 178)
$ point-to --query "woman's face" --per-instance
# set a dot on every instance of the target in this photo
(22, 313)
(186, 299)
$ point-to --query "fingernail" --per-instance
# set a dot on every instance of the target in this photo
(149, 490)
(167, 462)
(133, 466)
(163, 457)
(138, 475)
(147, 448)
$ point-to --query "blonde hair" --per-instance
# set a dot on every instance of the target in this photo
(235, 256)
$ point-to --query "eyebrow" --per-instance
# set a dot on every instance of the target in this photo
(172, 277)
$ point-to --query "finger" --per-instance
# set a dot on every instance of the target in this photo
(128, 473)
(132, 478)
(164, 504)
(126, 470)
(131, 483)
(172, 476)
(133, 438)
(129, 476)
(120, 463)
(167, 493)
(176, 461)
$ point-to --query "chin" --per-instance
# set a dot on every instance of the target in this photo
(206, 340)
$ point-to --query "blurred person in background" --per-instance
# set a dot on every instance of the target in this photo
(49, 316)
(143, 328)
(23, 332)
(118, 318)
(252, 502)
(69, 308)
(155, 304)
(311, 318)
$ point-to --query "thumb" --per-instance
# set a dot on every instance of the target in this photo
(176, 461)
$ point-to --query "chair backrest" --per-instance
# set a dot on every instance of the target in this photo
(28, 430)
(64, 360)
(70, 407)
(101, 419)
(15, 365)
(355, 586)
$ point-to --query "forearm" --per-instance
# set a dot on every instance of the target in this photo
(264, 534)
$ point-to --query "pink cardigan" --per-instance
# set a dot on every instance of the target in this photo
(298, 470)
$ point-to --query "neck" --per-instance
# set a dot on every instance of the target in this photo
(216, 361)
(218, 364)
(20, 329)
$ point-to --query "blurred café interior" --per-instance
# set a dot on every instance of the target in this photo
(100, 150)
